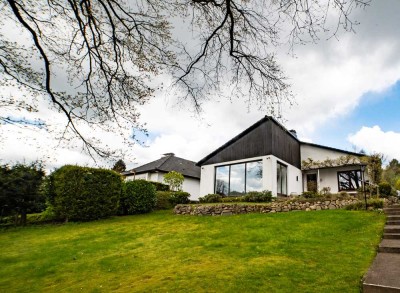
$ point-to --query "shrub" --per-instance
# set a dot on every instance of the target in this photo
(139, 196)
(169, 199)
(233, 199)
(310, 194)
(163, 201)
(372, 203)
(160, 186)
(179, 197)
(258, 196)
(211, 198)
(83, 194)
(385, 189)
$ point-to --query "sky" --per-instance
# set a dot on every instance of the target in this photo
(347, 96)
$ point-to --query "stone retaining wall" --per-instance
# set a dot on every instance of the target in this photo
(275, 207)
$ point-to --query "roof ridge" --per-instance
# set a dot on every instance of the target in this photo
(163, 161)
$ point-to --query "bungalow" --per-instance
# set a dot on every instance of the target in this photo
(267, 156)
(155, 171)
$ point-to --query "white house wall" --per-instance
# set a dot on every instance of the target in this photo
(269, 180)
(318, 154)
(328, 177)
(190, 185)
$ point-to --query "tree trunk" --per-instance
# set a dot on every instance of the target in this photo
(23, 218)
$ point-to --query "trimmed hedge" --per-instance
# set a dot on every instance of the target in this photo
(168, 199)
(84, 194)
(258, 196)
(139, 196)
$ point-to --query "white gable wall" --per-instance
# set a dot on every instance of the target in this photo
(318, 153)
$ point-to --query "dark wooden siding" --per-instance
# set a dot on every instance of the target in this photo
(285, 146)
(266, 138)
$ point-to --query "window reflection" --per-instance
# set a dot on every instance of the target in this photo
(281, 171)
(222, 180)
(254, 176)
(237, 179)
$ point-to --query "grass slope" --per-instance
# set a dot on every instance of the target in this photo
(325, 251)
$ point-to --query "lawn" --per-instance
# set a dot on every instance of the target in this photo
(324, 251)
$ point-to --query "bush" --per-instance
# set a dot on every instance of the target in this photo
(83, 194)
(168, 199)
(385, 189)
(211, 198)
(374, 203)
(233, 199)
(310, 194)
(163, 200)
(138, 197)
(160, 186)
(179, 197)
(258, 196)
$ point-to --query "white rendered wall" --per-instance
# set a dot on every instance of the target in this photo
(328, 177)
(190, 185)
(318, 154)
(269, 180)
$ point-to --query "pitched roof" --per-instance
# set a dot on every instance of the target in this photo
(244, 133)
(257, 124)
(169, 163)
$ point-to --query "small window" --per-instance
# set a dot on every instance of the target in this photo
(349, 180)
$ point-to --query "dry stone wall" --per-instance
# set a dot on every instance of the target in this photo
(275, 207)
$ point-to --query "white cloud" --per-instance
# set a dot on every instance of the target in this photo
(328, 79)
(374, 139)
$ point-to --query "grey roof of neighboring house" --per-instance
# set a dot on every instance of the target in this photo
(169, 163)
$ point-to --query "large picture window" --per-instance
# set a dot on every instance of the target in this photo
(281, 171)
(349, 180)
(237, 179)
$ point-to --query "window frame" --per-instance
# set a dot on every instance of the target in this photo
(229, 174)
(286, 166)
(360, 179)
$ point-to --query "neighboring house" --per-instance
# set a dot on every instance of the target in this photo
(267, 156)
(155, 171)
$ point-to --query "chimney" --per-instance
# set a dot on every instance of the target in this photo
(293, 132)
(168, 154)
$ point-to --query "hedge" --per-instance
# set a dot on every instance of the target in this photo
(139, 196)
(168, 199)
(84, 194)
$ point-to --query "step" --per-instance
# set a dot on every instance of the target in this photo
(393, 212)
(393, 217)
(392, 229)
(390, 246)
(383, 275)
(391, 236)
(393, 222)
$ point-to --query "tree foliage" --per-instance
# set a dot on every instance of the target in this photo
(110, 52)
(391, 173)
(119, 166)
(20, 190)
(174, 180)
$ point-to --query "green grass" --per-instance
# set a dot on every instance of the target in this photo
(325, 251)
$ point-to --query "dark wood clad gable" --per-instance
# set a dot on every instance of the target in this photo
(285, 146)
(266, 137)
